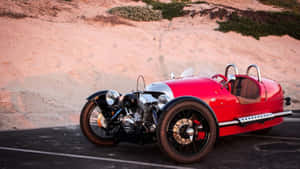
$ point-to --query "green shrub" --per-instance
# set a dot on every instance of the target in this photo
(292, 5)
(158, 10)
(113, 20)
(261, 23)
(136, 13)
(199, 2)
(169, 10)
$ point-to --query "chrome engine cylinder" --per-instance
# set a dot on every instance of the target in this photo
(128, 124)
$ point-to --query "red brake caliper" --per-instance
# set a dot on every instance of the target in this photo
(201, 134)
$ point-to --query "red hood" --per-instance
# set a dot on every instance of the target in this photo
(204, 88)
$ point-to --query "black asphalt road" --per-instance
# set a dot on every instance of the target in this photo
(66, 148)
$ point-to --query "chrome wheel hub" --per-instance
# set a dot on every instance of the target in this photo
(183, 127)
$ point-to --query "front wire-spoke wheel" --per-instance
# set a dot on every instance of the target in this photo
(186, 132)
(94, 125)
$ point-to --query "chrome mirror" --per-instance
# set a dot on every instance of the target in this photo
(172, 75)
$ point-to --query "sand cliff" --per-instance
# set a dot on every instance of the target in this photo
(51, 60)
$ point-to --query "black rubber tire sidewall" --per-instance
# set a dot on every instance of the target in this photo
(168, 115)
(86, 130)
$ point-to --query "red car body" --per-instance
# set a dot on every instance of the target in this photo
(186, 115)
(227, 106)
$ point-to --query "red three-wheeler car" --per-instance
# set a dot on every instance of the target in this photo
(185, 115)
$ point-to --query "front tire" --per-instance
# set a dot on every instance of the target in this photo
(93, 132)
(174, 138)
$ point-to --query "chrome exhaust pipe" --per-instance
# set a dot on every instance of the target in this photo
(254, 118)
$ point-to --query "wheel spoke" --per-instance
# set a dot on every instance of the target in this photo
(194, 147)
(93, 120)
(180, 139)
(94, 123)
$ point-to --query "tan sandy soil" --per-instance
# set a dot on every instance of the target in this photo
(50, 64)
(244, 4)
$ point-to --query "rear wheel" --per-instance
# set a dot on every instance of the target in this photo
(187, 132)
(93, 125)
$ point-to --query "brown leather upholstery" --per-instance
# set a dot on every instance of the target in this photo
(244, 100)
(246, 90)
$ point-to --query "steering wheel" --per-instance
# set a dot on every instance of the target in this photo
(221, 76)
(223, 81)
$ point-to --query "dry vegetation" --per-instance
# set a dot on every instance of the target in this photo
(11, 14)
(111, 20)
(137, 13)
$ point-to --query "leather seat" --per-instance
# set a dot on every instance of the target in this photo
(246, 90)
(244, 100)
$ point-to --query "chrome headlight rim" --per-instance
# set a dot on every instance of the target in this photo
(111, 97)
(163, 99)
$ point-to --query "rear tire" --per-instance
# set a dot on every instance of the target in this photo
(184, 149)
(86, 127)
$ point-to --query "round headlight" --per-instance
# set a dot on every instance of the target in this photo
(163, 99)
(111, 97)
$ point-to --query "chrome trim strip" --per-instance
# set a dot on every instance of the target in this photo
(228, 123)
(249, 119)
(254, 118)
(285, 113)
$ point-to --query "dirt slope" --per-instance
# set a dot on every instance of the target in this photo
(49, 63)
